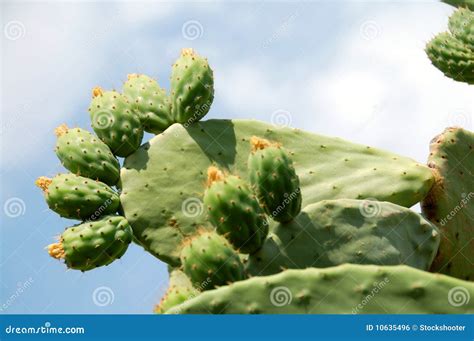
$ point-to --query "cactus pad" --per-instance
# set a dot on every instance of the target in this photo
(180, 289)
(345, 289)
(334, 232)
(170, 171)
(461, 25)
(92, 244)
(450, 204)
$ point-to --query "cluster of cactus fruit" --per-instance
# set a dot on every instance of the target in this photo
(276, 206)
(452, 52)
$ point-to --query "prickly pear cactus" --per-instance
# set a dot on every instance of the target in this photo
(180, 289)
(325, 167)
(450, 204)
(93, 244)
(333, 232)
(274, 179)
(114, 121)
(76, 197)
(234, 210)
(345, 289)
(210, 261)
(149, 101)
(461, 3)
(452, 53)
(192, 87)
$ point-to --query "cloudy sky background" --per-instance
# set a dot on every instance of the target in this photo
(353, 69)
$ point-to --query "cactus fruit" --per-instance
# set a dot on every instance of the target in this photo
(114, 122)
(333, 232)
(450, 204)
(192, 87)
(92, 244)
(210, 261)
(324, 165)
(461, 26)
(461, 3)
(345, 289)
(274, 178)
(149, 101)
(75, 197)
(180, 289)
(234, 210)
(84, 154)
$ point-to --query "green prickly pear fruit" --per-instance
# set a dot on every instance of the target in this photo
(92, 244)
(210, 261)
(114, 122)
(274, 179)
(192, 87)
(461, 3)
(76, 197)
(234, 210)
(84, 154)
(452, 57)
(149, 101)
(461, 25)
(180, 289)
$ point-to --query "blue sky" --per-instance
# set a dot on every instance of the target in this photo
(352, 69)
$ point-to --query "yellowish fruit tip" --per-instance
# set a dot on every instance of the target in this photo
(61, 130)
(43, 182)
(213, 175)
(258, 143)
(97, 91)
(56, 250)
(132, 75)
(188, 52)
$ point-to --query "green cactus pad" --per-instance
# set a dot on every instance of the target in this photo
(235, 212)
(210, 261)
(452, 57)
(114, 122)
(92, 244)
(76, 197)
(450, 204)
(333, 232)
(461, 25)
(274, 179)
(180, 289)
(345, 289)
(192, 87)
(84, 154)
(461, 3)
(149, 101)
(169, 172)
